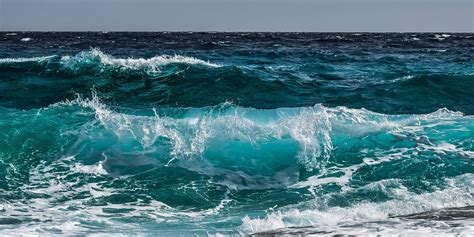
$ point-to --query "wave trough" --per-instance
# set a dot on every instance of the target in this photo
(248, 134)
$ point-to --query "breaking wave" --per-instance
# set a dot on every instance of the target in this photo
(99, 62)
(302, 151)
(234, 150)
(384, 218)
(279, 133)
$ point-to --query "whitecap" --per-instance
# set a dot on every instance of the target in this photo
(352, 219)
(442, 36)
(312, 128)
(99, 60)
(23, 60)
(151, 64)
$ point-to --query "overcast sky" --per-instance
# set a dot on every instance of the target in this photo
(237, 15)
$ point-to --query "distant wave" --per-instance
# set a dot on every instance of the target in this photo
(279, 133)
(24, 60)
(97, 60)
(180, 80)
(151, 64)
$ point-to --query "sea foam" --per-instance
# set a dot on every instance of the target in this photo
(373, 217)
(99, 61)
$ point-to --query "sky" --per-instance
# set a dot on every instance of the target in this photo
(238, 15)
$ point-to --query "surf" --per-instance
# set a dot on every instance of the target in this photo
(234, 135)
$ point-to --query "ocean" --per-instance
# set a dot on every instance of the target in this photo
(196, 134)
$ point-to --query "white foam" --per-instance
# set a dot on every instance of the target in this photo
(151, 64)
(99, 60)
(458, 194)
(312, 128)
(26, 39)
(71, 222)
(318, 180)
(23, 60)
(96, 169)
(442, 36)
(445, 148)
(190, 135)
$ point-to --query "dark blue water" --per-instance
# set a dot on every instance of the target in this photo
(235, 133)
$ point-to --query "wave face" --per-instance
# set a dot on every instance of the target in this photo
(255, 133)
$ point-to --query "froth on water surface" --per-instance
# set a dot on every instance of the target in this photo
(236, 133)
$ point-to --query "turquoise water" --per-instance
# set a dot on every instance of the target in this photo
(204, 134)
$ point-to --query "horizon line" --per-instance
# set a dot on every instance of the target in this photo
(190, 31)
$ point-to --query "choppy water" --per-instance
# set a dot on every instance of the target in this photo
(236, 133)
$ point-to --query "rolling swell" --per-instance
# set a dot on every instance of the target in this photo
(188, 81)
(235, 133)
(96, 62)
(236, 154)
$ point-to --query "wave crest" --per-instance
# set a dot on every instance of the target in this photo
(99, 61)
(309, 132)
(191, 133)
(152, 65)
